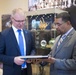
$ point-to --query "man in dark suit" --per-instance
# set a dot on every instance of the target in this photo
(63, 54)
(9, 46)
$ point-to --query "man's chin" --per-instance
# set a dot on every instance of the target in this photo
(19, 27)
(58, 32)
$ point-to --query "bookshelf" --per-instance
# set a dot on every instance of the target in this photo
(44, 11)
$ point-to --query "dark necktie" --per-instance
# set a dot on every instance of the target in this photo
(21, 45)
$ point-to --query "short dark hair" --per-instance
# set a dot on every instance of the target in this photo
(64, 15)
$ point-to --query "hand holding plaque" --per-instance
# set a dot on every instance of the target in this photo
(34, 59)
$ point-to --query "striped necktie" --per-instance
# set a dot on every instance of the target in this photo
(61, 40)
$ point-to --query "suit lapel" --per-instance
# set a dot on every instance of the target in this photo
(12, 35)
(55, 45)
(68, 37)
(26, 39)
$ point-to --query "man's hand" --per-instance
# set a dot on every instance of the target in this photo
(34, 61)
(51, 59)
(1, 65)
(37, 61)
(18, 60)
(28, 60)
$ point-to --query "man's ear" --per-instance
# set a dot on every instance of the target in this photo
(68, 23)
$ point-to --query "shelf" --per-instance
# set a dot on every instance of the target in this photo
(44, 11)
(40, 30)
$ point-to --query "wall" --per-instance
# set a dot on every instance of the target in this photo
(6, 6)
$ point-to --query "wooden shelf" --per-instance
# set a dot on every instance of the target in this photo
(44, 11)
(40, 30)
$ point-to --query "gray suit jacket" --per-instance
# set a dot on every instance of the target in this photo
(65, 54)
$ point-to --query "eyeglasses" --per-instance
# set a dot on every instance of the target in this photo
(19, 20)
(58, 24)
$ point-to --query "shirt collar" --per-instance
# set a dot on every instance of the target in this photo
(68, 31)
(15, 29)
(64, 35)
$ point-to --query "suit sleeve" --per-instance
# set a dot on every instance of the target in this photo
(4, 58)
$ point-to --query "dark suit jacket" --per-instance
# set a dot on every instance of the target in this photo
(9, 49)
(65, 63)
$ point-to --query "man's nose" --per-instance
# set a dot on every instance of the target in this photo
(56, 26)
(20, 22)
